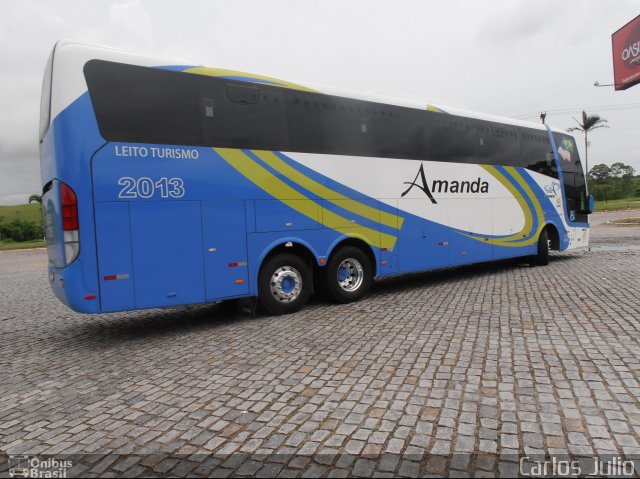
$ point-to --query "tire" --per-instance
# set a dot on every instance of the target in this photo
(284, 284)
(348, 275)
(542, 257)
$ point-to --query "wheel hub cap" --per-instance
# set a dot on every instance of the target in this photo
(350, 274)
(286, 284)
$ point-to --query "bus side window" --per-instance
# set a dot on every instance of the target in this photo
(237, 115)
(144, 105)
(537, 153)
(450, 141)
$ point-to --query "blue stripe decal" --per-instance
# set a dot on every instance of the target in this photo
(175, 68)
(335, 186)
(252, 80)
(527, 199)
(361, 221)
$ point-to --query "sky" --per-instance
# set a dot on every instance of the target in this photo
(511, 58)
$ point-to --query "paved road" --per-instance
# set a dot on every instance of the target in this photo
(454, 370)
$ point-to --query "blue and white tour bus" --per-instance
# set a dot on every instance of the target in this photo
(167, 184)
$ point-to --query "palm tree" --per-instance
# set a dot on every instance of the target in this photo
(589, 123)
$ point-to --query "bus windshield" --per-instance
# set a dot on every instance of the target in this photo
(573, 177)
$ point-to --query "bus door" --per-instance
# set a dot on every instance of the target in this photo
(225, 249)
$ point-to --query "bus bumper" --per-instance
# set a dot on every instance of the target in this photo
(68, 286)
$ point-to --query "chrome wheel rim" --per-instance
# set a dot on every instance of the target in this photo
(350, 274)
(286, 284)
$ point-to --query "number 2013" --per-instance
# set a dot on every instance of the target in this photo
(146, 188)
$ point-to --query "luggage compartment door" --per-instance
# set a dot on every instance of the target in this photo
(166, 239)
(225, 249)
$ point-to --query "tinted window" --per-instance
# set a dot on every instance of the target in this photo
(143, 104)
(327, 124)
(572, 176)
(498, 144)
(151, 105)
(537, 152)
(396, 132)
(242, 116)
(451, 139)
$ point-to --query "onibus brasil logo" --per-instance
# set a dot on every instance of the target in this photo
(30, 466)
(445, 186)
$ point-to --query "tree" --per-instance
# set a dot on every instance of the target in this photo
(624, 177)
(36, 198)
(589, 123)
(600, 174)
(620, 170)
(615, 182)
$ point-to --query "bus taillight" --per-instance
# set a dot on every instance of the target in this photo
(70, 226)
(69, 207)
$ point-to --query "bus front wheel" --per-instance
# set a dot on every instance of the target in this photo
(284, 284)
(348, 275)
(542, 257)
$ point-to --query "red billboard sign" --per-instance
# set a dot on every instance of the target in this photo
(626, 55)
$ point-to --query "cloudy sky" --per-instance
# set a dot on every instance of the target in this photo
(506, 57)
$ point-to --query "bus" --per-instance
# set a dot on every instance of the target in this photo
(168, 184)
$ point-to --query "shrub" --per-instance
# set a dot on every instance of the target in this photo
(20, 230)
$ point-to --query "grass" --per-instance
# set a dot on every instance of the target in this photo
(24, 245)
(29, 212)
(623, 204)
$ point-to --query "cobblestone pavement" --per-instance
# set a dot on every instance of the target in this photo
(465, 367)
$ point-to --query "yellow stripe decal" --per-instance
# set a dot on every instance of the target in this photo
(528, 219)
(291, 197)
(434, 109)
(536, 205)
(328, 194)
(530, 194)
(221, 72)
(515, 239)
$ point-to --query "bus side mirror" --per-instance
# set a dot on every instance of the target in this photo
(592, 204)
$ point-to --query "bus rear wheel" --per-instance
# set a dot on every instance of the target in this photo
(284, 284)
(348, 275)
(542, 257)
